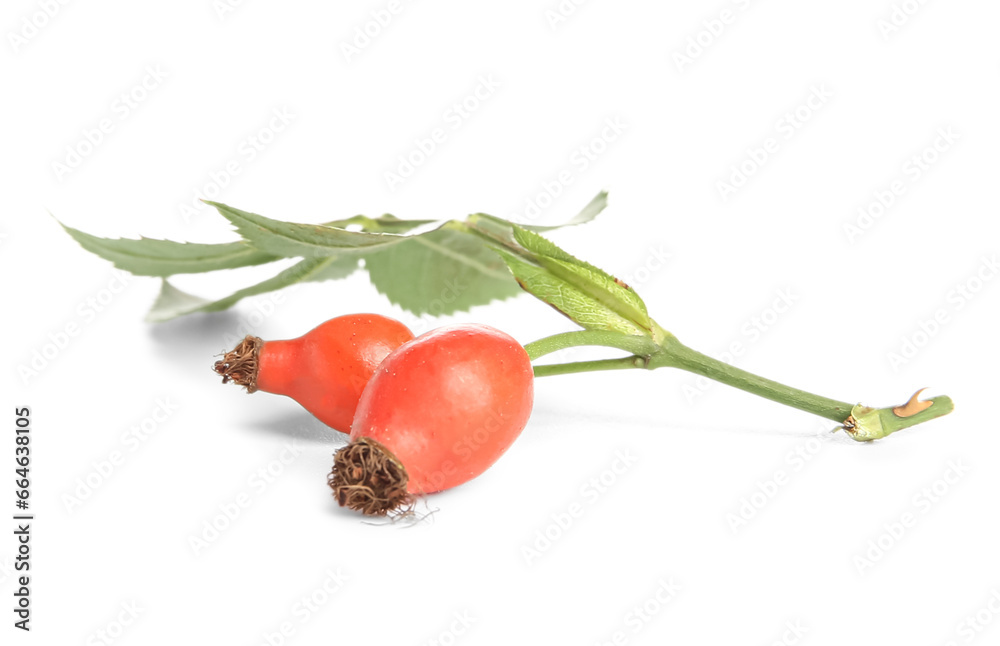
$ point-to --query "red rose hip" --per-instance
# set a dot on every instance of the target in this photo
(438, 412)
(325, 370)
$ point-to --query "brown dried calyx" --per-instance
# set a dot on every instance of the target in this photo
(368, 478)
(239, 365)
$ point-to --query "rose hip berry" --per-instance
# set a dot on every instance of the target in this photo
(325, 370)
(438, 412)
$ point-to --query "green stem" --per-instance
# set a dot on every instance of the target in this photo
(674, 354)
(868, 423)
(678, 355)
(623, 363)
(638, 345)
(862, 423)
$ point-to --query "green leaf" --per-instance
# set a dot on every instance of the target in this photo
(384, 224)
(440, 272)
(600, 285)
(148, 257)
(290, 239)
(566, 298)
(173, 302)
(449, 270)
(589, 212)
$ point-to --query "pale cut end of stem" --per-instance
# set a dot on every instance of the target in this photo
(368, 478)
(866, 423)
(240, 365)
(913, 406)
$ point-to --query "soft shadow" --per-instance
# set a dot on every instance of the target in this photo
(197, 336)
(553, 420)
(297, 425)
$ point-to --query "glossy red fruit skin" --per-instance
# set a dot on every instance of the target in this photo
(448, 404)
(326, 369)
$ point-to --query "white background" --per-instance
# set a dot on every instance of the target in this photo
(817, 553)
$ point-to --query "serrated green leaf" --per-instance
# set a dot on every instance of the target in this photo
(149, 257)
(589, 212)
(440, 272)
(589, 279)
(541, 245)
(172, 302)
(603, 288)
(567, 299)
(291, 239)
(161, 258)
(384, 224)
(597, 284)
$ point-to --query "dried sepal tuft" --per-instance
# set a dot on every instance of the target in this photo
(240, 365)
(368, 478)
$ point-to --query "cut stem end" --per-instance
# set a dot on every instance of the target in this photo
(866, 424)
